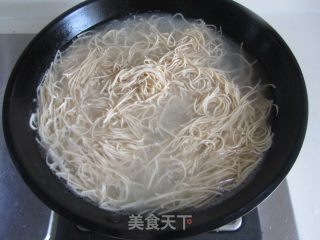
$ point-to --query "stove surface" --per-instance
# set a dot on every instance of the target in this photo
(248, 228)
(24, 216)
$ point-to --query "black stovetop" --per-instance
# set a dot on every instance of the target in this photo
(250, 229)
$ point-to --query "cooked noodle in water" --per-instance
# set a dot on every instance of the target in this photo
(148, 115)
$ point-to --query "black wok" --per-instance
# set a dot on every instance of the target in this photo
(259, 39)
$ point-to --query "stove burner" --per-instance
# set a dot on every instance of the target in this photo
(246, 227)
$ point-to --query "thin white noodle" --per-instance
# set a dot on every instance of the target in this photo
(103, 116)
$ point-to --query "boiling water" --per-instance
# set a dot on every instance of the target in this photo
(172, 112)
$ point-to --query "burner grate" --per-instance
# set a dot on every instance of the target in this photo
(246, 227)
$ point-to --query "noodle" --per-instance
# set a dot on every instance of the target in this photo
(144, 117)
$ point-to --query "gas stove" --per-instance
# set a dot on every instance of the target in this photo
(24, 216)
(247, 227)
